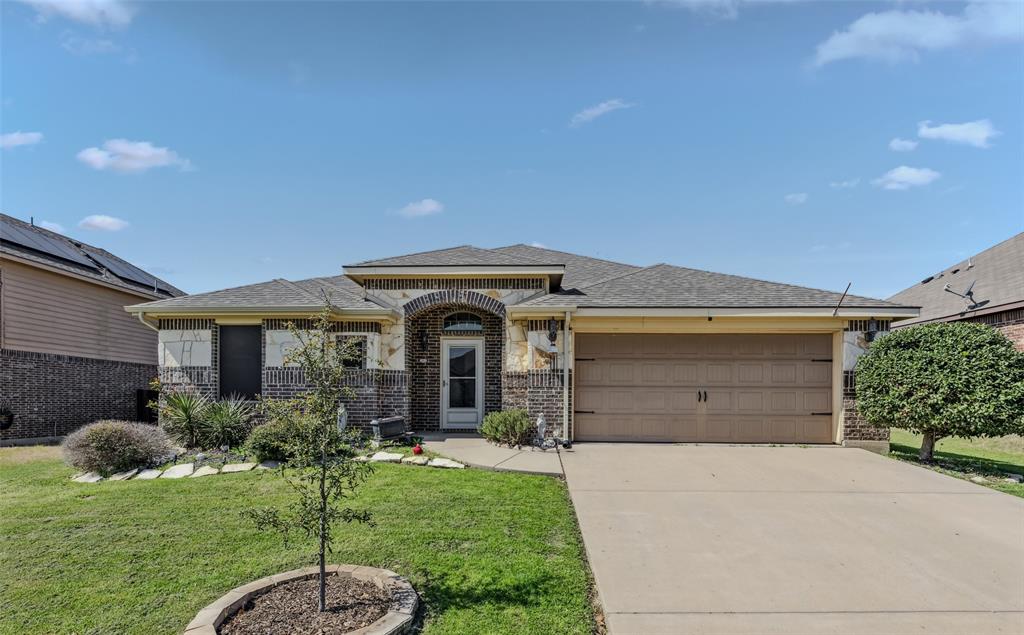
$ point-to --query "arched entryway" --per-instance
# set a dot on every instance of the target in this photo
(454, 347)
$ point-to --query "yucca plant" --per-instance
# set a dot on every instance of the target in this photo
(183, 415)
(227, 422)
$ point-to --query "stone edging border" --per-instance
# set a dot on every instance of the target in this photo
(398, 619)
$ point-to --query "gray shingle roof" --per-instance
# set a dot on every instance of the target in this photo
(142, 282)
(997, 274)
(301, 294)
(579, 270)
(667, 286)
(455, 256)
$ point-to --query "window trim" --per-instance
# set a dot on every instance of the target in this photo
(473, 327)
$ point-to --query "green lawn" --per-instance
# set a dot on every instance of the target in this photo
(966, 458)
(488, 552)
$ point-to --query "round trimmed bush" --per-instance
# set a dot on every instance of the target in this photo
(271, 441)
(960, 379)
(508, 427)
(115, 446)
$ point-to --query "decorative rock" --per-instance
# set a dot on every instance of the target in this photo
(148, 475)
(386, 457)
(268, 465)
(1013, 478)
(200, 456)
(979, 479)
(448, 463)
(361, 458)
(206, 470)
(88, 477)
(237, 467)
(123, 476)
(179, 471)
(416, 460)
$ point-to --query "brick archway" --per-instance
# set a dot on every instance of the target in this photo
(460, 297)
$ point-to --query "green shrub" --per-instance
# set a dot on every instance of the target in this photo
(958, 379)
(227, 423)
(183, 416)
(271, 441)
(115, 446)
(509, 427)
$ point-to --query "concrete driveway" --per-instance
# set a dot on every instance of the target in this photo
(713, 539)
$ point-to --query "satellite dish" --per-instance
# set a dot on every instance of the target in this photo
(968, 295)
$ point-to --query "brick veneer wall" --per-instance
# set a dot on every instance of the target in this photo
(202, 379)
(855, 427)
(1011, 323)
(52, 395)
(374, 393)
(538, 391)
(424, 363)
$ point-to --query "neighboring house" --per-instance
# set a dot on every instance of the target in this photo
(659, 353)
(69, 354)
(986, 288)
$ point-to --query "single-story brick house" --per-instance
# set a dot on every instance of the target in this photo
(616, 351)
(986, 288)
(69, 354)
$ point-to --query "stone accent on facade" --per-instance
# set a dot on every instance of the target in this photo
(52, 395)
(202, 379)
(424, 331)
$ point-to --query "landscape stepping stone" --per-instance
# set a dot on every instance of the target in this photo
(237, 467)
(123, 476)
(179, 471)
(148, 475)
(88, 477)
(448, 463)
(206, 470)
(386, 457)
(416, 460)
(268, 465)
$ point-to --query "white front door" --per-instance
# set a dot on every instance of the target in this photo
(462, 383)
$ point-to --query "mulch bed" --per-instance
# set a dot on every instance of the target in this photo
(291, 608)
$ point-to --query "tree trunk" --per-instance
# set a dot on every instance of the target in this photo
(323, 529)
(928, 447)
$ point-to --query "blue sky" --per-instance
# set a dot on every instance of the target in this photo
(219, 144)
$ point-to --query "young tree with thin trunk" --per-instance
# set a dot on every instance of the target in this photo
(320, 467)
(952, 379)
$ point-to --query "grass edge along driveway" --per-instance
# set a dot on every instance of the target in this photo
(488, 552)
(964, 458)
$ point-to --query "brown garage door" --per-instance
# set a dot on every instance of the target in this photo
(704, 388)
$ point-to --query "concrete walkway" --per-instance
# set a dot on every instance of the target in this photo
(475, 451)
(744, 540)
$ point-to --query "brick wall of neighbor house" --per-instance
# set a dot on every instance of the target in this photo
(424, 363)
(1011, 323)
(52, 395)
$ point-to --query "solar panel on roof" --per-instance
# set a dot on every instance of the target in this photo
(38, 241)
(126, 271)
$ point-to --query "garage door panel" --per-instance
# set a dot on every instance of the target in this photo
(759, 388)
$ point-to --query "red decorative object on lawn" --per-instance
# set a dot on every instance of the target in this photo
(416, 449)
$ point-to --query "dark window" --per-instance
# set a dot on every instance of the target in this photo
(463, 322)
(240, 372)
(355, 357)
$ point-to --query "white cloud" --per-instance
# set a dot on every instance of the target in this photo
(102, 222)
(897, 35)
(849, 183)
(88, 46)
(122, 155)
(797, 198)
(99, 13)
(589, 114)
(973, 133)
(15, 139)
(54, 227)
(902, 145)
(904, 178)
(425, 207)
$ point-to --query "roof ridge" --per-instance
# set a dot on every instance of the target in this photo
(569, 253)
(416, 253)
(623, 275)
(295, 286)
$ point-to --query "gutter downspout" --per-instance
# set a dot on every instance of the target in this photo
(142, 319)
(566, 339)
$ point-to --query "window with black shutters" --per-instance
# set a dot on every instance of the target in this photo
(240, 364)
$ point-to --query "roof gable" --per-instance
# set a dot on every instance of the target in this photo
(579, 270)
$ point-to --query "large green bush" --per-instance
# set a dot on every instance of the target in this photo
(270, 441)
(950, 379)
(115, 446)
(508, 427)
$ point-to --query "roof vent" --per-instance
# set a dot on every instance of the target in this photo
(955, 271)
(928, 279)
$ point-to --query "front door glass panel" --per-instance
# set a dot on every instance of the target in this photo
(462, 377)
